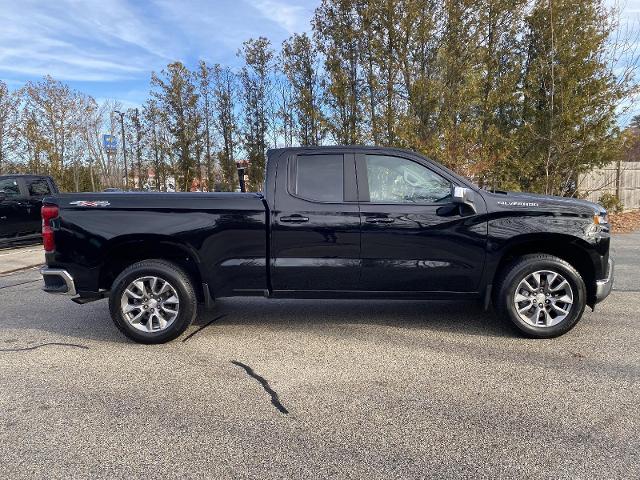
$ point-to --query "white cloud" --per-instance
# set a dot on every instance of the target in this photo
(78, 40)
(110, 40)
(292, 18)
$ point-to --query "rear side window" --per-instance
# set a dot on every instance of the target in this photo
(10, 187)
(319, 177)
(38, 187)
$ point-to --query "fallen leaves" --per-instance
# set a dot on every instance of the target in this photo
(625, 222)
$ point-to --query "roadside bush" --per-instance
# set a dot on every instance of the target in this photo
(611, 202)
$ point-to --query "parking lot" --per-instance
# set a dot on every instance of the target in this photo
(269, 389)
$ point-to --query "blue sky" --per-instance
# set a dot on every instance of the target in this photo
(109, 48)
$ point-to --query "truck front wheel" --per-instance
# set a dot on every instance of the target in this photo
(152, 301)
(542, 295)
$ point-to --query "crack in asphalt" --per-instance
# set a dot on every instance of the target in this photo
(25, 349)
(203, 327)
(275, 401)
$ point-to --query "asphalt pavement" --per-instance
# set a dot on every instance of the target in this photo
(316, 389)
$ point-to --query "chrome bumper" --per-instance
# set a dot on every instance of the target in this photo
(58, 281)
(603, 287)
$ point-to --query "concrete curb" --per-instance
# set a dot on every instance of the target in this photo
(15, 260)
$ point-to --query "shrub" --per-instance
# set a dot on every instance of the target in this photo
(611, 202)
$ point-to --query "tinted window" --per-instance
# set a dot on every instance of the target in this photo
(10, 187)
(38, 187)
(398, 180)
(319, 177)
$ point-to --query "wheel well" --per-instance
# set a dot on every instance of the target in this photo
(129, 253)
(569, 252)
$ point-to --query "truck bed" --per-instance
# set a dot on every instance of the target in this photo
(223, 235)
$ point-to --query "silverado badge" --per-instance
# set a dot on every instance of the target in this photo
(519, 204)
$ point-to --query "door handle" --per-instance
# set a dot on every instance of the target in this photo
(294, 219)
(380, 220)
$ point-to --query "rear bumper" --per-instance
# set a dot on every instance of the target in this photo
(603, 287)
(58, 281)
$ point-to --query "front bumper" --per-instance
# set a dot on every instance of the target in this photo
(603, 287)
(58, 281)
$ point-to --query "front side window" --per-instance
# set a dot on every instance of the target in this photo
(319, 177)
(9, 186)
(398, 180)
(38, 188)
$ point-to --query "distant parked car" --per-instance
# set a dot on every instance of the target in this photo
(20, 203)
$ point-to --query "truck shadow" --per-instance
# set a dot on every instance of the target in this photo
(62, 318)
(467, 318)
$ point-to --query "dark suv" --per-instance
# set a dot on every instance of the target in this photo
(20, 203)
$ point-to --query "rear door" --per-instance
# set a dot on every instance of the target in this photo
(11, 208)
(315, 224)
(413, 237)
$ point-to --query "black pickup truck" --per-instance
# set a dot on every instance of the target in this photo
(333, 222)
(20, 202)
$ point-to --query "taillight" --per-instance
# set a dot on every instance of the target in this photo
(49, 212)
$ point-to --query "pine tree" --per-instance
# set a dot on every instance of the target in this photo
(176, 95)
(225, 97)
(570, 95)
(501, 55)
(417, 54)
(205, 74)
(256, 80)
(300, 65)
(336, 36)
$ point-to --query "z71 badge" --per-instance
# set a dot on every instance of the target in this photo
(519, 204)
(85, 203)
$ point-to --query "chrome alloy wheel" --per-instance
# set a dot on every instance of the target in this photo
(543, 298)
(150, 304)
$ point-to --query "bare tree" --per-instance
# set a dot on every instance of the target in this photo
(9, 103)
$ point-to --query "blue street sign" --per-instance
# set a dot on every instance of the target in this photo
(110, 143)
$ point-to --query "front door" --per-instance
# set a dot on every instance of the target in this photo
(315, 224)
(412, 238)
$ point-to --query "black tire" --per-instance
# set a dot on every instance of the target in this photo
(169, 272)
(511, 276)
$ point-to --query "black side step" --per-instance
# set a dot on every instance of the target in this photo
(83, 300)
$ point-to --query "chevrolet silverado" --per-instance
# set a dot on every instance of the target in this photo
(332, 222)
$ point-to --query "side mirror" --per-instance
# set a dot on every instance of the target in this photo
(3, 196)
(463, 196)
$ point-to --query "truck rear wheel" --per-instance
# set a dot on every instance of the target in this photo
(152, 301)
(542, 295)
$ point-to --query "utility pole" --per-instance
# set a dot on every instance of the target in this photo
(124, 150)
